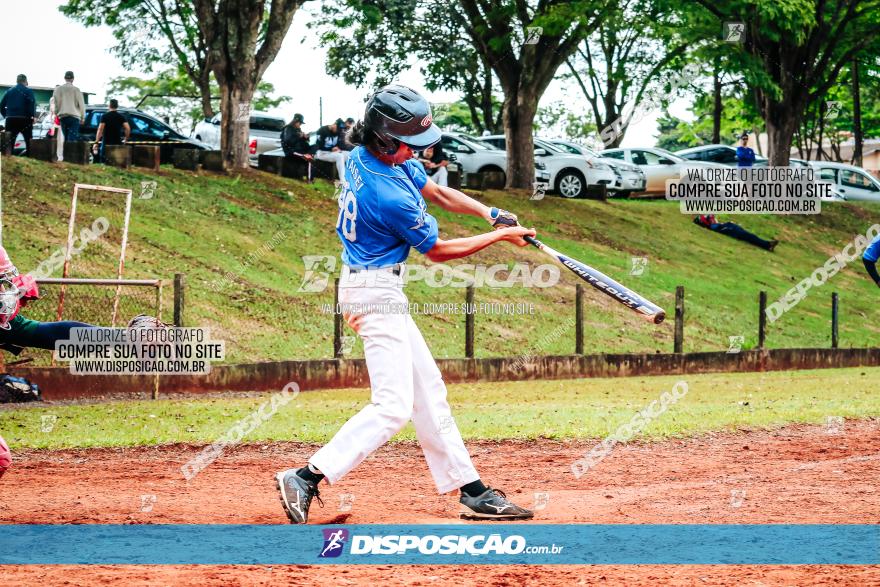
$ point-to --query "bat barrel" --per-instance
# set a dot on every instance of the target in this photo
(646, 309)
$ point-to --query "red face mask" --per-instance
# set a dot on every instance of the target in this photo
(403, 154)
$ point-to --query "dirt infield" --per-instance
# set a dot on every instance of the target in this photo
(796, 474)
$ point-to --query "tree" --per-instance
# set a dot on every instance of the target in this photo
(173, 97)
(558, 119)
(235, 40)
(793, 53)
(387, 37)
(152, 33)
(738, 115)
(466, 45)
(632, 47)
(524, 43)
(242, 40)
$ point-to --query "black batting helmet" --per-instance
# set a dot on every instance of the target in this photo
(397, 113)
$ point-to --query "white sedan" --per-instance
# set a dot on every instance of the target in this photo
(659, 165)
(849, 182)
(570, 175)
(630, 178)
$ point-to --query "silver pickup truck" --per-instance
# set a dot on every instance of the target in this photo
(265, 133)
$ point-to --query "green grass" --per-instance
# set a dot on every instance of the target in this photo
(207, 225)
(584, 408)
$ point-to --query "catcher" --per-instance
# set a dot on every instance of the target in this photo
(18, 332)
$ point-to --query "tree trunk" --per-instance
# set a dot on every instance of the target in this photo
(204, 86)
(519, 117)
(858, 138)
(235, 106)
(781, 125)
(717, 110)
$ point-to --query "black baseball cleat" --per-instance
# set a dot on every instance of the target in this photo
(491, 505)
(296, 495)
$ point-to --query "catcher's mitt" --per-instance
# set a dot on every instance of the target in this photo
(144, 321)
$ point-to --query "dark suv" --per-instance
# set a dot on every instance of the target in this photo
(145, 129)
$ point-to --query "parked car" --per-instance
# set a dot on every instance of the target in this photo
(470, 154)
(264, 134)
(722, 154)
(849, 182)
(145, 128)
(659, 165)
(630, 178)
(570, 175)
(42, 124)
(475, 155)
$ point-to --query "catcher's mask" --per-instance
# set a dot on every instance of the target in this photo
(10, 297)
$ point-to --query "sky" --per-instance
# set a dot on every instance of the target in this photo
(298, 70)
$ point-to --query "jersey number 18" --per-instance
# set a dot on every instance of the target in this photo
(348, 210)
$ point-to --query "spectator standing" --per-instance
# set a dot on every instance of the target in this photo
(435, 162)
(734, 231)
(328, 147)
(745, 156)
(70, 107)
(55, 130)
(20, 108)
(113, 130)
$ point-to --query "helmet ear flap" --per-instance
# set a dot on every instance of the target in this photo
(387, 144)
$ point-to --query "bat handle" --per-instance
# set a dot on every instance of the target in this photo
(532, 240)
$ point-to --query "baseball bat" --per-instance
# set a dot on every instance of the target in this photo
(621, 294)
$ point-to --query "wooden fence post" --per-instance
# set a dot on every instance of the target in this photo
(762, 318)
(579, 319)
(678, 343)
(337, 321)
(834, 320)
(179, 298)
(469, 323)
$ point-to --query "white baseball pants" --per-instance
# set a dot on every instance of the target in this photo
(405, 384)
(441, 176)
(337, 157)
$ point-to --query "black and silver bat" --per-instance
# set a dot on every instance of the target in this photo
(621, 294)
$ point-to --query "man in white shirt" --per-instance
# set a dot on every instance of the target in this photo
(70, 107)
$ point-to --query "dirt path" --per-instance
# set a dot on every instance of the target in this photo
(797, 474)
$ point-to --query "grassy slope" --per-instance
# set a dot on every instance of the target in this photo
(552, 409)
(205, 225)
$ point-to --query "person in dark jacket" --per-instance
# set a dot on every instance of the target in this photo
(734, 231)
(344, 129)
(294, 141)
(20, 109)
(328, 148)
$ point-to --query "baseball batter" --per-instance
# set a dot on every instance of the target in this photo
(382, 215)
(870, 257)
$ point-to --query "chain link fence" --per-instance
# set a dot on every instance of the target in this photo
(92, 301)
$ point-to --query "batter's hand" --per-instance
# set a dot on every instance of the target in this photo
(502, 218)
(515, 234)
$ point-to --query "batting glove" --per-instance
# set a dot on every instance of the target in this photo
(501, 218)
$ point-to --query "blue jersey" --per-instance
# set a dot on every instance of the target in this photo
(745, 156)
(872, 253)
(382, 212)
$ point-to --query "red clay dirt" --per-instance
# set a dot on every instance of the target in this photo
(796, 474)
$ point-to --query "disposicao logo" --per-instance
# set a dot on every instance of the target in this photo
(334, 541)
